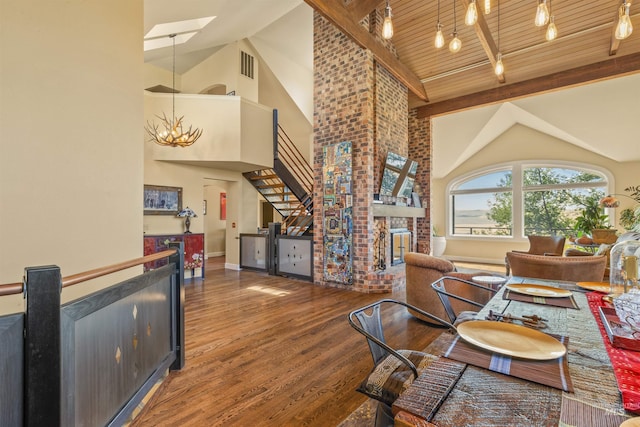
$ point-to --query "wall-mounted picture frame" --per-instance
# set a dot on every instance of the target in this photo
(223, 206)
(204, 207)
(162, 200)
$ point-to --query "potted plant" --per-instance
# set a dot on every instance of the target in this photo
(438, 242)
(593, 221)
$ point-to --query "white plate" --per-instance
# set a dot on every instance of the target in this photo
(491, 280)
(511, 339)
(538, 290)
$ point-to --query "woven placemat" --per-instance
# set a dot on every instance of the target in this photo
(565, 302)
(425, 395)
(554, 373)
(575, 413)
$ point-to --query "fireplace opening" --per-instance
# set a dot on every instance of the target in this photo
(400, 244)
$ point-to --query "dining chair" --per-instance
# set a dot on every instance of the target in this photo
(394, 369)
(450, 287)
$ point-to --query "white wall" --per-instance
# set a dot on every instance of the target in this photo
(71, 114)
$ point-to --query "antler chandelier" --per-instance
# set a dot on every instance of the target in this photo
(170, 132)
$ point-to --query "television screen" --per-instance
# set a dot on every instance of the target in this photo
(398, 176)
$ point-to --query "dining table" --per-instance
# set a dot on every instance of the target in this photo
(579, 388)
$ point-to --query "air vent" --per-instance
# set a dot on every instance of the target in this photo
(246, 64)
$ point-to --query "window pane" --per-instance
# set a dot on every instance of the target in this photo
(547, 176)
(491, 180)
(554, 211)
(486, 214)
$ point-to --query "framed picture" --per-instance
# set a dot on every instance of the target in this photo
(204, 207)
(159, 200)
(223, 206)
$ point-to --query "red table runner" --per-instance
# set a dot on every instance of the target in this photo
(626, 363)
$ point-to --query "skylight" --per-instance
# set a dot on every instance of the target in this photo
(157, 37)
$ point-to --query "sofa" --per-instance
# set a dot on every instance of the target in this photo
(422, 270)
(573, 269)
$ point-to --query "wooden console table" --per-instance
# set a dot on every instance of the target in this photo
(193, 251)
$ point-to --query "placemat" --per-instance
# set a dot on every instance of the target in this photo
(575, 413)
(626, 363)
(427, 392)
(554, 373)
(565, 302)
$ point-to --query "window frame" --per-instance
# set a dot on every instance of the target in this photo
(518, 190)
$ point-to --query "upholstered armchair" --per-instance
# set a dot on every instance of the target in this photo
(542, 245)
(422, 270)
(573, 269)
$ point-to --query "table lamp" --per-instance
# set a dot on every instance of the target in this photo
(187, 213)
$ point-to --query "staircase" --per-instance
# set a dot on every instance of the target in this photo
(288, 187)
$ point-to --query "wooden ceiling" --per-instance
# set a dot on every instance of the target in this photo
(440, 81)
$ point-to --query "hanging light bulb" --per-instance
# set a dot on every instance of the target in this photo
(455, 44)
(624, 27)
(387, 25)
(499, 70)
(487, 7)
(471, 16)
(542, 14)
(439, 41)
(552, 30)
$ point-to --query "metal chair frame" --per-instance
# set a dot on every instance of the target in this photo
(440, 288)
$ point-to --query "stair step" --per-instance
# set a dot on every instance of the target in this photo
(278, 185)
(259, 177)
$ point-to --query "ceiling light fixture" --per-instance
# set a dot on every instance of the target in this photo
(552, 30)
(487, 7)
(624, 27)
(542, 14)
(471, 17)
(499, 69)
(173, 134)
(455, 44)
(387, 25)
(439, 41)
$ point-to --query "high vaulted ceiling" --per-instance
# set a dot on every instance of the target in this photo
(440, 82)
(532, 64)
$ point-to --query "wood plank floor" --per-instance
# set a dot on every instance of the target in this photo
(269, 351)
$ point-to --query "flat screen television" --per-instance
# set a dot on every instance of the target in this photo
(398, 176)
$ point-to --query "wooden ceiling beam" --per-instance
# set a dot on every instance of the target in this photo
(486, 40)
(361, 8)
(336, 13)
(616, 67)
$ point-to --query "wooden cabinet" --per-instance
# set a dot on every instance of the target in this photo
(193, 251)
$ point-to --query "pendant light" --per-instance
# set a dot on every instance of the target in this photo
(499, 69)
(542, 14)
(439, 40)
(455, 44)
(552, 30)
(387, 25)
(624, 27)
(471, 17)
(487, 7)
(173, 134)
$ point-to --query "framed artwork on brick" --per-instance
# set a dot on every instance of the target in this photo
(337, 213)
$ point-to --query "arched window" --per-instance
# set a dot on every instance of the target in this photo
(520, 199)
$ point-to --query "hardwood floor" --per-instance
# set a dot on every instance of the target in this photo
(269, 351)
